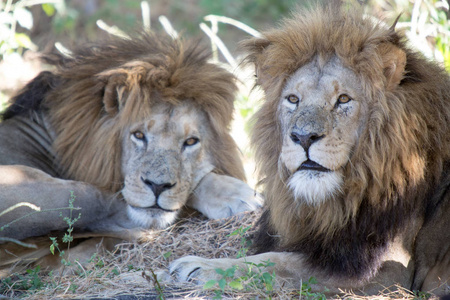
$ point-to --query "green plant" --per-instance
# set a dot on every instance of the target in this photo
(33, 282)
(253, 276)
(227, 279)
(30, 281)
(67, 238)
(244, 242)
(306, 290)
(426, 24)
(250, 12)
(12, 14)
(419, 295)
(153, 278)
(13, 43)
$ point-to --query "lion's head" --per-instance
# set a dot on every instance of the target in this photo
(148, 117)
(320, 122)
(345, 127)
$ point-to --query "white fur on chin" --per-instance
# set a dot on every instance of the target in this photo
(315, 187)
(151, 219)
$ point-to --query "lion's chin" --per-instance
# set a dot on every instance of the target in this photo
(315, 187)
(151, 217)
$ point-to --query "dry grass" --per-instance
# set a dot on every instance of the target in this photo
(131, 269)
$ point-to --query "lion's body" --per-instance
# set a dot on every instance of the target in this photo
(133, 127)
(353, 148)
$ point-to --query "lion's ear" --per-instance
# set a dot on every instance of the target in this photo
(255, 48)
(113, 94)
(394, 62)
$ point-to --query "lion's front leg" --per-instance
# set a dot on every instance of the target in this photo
(34, 203)
(287, 266)
(290, 272)
(221, 196)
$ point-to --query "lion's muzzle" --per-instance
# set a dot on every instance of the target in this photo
(310, 165)
(158, 188)
(305, 140)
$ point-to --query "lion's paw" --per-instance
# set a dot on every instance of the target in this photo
(195, 269)
(221, 196)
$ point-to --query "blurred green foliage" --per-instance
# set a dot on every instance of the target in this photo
(426, 22)
(75, 19)
(252, 13)
(12, 41)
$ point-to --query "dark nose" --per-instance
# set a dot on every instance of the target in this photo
(305, 140)
(157, 189)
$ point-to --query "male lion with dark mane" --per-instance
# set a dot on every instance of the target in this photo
(353, 148)
(137, 128)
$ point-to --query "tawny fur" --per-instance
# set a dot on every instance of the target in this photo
(402, 148)
(73, 131)
(169, 70)
(387, 223)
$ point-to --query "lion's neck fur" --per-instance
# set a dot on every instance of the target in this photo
(400, 154)
(86, 134)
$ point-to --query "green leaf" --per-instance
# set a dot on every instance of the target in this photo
(236, 284)
(49, 9)
(236, 232)
(167, 254)
(209, 284)
(218, 295)
(67, 238)
(230, 271)
(115, 271)
(268, 263)
(52, 249)
(267, 277)
(220, 272)
(23, 40)
(222, 283)
(312, 280)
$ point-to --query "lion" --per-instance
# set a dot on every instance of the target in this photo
(135, 128)
(352, 145)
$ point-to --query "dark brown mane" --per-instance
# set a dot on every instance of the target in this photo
(104, 88)
(396, 162)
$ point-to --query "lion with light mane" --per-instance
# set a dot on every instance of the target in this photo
(353, 148)
(137, 128)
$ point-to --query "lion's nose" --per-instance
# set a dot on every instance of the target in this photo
(158, 188)
(305, 140)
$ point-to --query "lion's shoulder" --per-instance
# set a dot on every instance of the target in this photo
(390, 174)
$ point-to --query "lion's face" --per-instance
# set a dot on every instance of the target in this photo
(320, 112)
(164, 158)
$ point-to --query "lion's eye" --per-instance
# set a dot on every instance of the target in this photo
(139, 135)
(190, 142)
(292, 99)
(342, 99)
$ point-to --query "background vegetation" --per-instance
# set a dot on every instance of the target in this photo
(27, 26)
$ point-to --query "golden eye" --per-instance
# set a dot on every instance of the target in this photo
(344, 99)
(292, 99)
(191, 141)
(139, 135)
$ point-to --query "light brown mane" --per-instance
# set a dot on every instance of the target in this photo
(403, 145)
(109, 86)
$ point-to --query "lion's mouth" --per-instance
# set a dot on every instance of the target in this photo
(153, 207)
(310, 165)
